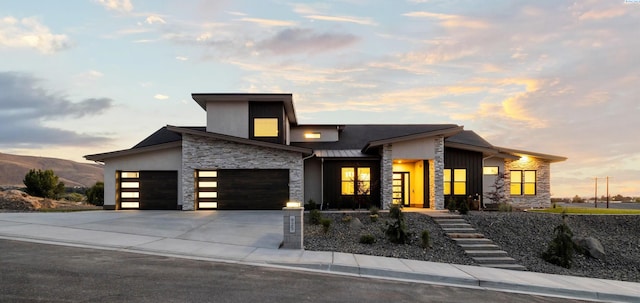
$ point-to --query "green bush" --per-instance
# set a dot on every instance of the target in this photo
(463, 207)
(315, 217)
(425, 238)
(74, 197)
(505, 207)
(43, 184)
(560, 250)
(397, 231)
(311, 204)
(326, 224)
(374, 218)
(347, 219)
(374, 210)
(451, 204)
(367, 239)
(95, 194)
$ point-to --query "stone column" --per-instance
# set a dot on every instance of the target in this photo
(292, 228)
(386, 177)
(438, 166)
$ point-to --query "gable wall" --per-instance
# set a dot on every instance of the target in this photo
(228, 118)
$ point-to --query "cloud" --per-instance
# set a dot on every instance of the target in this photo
(447, 20)
(154, 19)
(123, 6)
(297, 40)
(347, 19)
(182, 58)
(267, 22)
(30, 33)
(161, 97)
(25, 106)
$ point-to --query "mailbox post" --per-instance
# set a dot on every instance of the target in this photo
(292, 227)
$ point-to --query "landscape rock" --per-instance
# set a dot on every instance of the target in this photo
(591, 246)
(356, 224)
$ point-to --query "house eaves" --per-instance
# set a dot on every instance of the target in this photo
(484, 150)
(127, 152)
(206, 134)
(287, 99)
(443, 132)
(520, 153)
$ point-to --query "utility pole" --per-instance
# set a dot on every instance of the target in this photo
(607, 191)
(595, 202)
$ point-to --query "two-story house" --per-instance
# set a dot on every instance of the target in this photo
(253, 154)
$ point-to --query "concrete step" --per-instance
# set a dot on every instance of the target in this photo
(494, 260)
(459, 230)
(445, 216)
(481, 246)
(472, 241)
(486, 253)
(505, 266)
(464, 235)
(455, 225)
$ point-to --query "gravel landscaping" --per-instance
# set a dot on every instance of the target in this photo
(523, 235)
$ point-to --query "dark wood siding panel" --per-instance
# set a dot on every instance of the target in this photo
(159, 190)
(253, 188)
(267, 110)
(333, 197)
(469, 160)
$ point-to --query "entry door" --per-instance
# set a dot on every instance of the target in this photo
(401, 188)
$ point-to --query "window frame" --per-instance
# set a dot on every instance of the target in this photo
(270, 131)
(523, 183)
(451, 184)
(354, 181)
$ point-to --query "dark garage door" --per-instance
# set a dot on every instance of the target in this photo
(159, 190)
(253, 188)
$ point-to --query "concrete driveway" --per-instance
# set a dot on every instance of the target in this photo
(256, 229)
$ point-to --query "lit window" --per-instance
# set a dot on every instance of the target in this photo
(207, 184)
(265, 127)
(130, 185)
(208, 205)
(364, 180)
(348, 177)
(353, 183)
(516, 182)
(126, 194)
(207, 194)
(490, 170)
(130, 174)
(447, 181)
(208, 173)
(529, 182)
(312, 135)
(130, 204)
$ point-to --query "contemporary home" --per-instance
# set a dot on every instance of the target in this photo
(253, 154)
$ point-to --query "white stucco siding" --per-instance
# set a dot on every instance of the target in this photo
(489, 180)
(229, 118)
(327, 133)
(418, 149)
(166, 159)
(313, 180)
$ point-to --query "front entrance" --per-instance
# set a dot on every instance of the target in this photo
(401, 188)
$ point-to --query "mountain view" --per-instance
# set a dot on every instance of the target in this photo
(13, 168)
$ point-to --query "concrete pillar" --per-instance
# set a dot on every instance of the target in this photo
(292, 228)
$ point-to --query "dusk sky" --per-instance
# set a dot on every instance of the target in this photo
(558, 77)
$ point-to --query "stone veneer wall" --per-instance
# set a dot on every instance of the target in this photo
(542, 198)
(438, 166)
(206, 153)
(386, 177)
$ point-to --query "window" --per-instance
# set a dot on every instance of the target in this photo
(207, 189)
(458, 179)
(129, 188)
(490, 170)
(265, 127)
(523, 182)
(352, 183)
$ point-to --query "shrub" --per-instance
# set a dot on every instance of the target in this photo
(74, 197)
(95, 194)
(346, 219)
(505, 207)
(397, 231)
(451, 205)
(425, 238)
(367, 239)
(374, 218)
(311, 204)
(43, 184)
(326, 224)
(315, 217)
(463, 207)
(560, 250)
(374, 210)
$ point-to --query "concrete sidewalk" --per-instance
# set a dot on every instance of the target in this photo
(253, 237)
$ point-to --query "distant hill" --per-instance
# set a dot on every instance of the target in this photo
(13, 168)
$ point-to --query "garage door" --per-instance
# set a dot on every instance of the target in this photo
(149, 190)
(253, 188)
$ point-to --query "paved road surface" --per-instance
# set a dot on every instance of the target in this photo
(31, 272)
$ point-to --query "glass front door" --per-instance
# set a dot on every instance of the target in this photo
(401, 188)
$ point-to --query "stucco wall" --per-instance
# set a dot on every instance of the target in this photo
(206, 153)
(229, 118)
(542, 198)
(418, 149)
(313, 180)
(166, 159)
(489, 180)
(327, 133)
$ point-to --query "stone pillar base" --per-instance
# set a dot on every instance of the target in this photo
(292, 228)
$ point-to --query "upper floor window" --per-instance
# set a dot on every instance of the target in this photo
(265, 127)
(523, 182)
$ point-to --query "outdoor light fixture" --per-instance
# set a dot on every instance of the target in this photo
(312, 135)
(293, 204)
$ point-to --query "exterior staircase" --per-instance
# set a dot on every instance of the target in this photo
(482, 250)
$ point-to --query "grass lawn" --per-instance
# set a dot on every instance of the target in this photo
(588, 211)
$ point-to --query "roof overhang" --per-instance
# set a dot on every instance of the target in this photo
(133, 151)
(203, 98)
(302, 150)
(447, 132)
(521, 153)
(342, 154)
(484, 150)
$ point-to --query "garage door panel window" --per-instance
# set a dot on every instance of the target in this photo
(207, 189)
(129, 189)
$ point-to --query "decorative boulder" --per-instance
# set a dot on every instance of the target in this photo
(355, 223)
(591, 246)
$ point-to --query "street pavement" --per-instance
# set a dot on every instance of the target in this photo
(253, 238)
